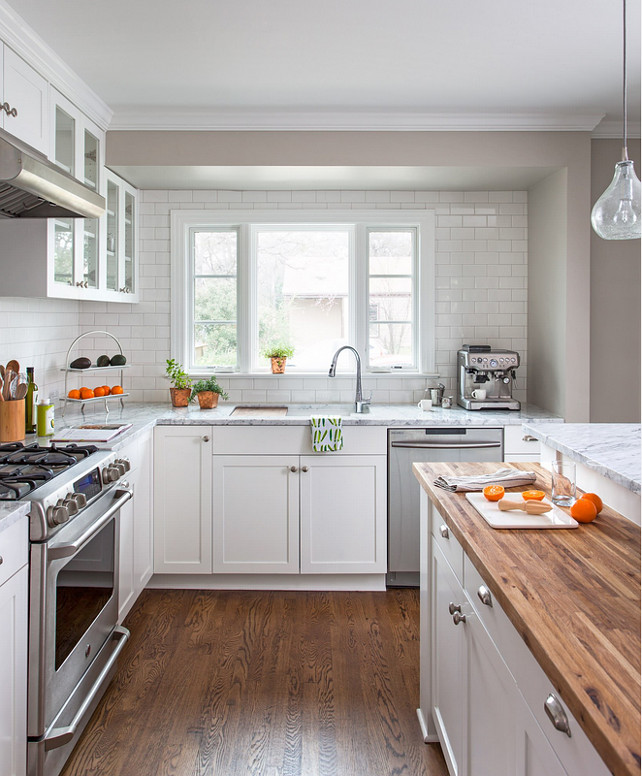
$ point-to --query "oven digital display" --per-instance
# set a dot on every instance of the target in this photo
(89, 484)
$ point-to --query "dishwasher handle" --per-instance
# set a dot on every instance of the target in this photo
(446, 446)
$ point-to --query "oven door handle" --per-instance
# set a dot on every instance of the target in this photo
(57, 737)
(445, 445)
(68, 550)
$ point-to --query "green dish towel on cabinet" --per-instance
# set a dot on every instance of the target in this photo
(327, 434)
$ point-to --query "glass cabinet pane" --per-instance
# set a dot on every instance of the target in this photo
(90, 160)
(64, 251)
(64, 140)
(129, 241)
(90, 252)
(112, 236)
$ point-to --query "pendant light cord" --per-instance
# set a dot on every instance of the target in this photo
(625, 153)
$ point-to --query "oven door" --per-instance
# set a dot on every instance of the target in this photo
(73, 616)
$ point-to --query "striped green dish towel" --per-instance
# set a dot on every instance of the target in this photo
(327, 434)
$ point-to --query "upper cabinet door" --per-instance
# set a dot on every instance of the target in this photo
(25, 92)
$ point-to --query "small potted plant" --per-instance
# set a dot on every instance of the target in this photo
(278, 355)
(207, 392)
(182, 384)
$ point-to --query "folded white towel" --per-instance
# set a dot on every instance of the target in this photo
(327, 435)
(509, 478)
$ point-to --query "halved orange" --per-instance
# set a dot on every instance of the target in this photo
(494, 492)
(533, 495)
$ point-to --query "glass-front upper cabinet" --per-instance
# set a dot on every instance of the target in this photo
(121, 275)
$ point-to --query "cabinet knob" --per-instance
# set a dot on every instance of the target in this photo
(293, 469)
(206, 439)
(1, 560)
(443, 530)
(556, 714)
(304, 469)
(452, 608)
(484, 595)
(457, 618)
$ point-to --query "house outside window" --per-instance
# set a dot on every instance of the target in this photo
(245, 281)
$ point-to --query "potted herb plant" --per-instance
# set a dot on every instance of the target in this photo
(182, 384)
(207, 392)
(278, 355)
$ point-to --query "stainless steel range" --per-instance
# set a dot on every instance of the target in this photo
(76, 493)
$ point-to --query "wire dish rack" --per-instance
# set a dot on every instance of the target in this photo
(94, 368)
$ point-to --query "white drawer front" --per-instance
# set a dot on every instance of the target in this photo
(448, 544)
(14, 548)
(517, 441)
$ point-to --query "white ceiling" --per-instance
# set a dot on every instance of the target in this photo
(347, 63)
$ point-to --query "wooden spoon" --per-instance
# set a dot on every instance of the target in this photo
(13, 365)
(8, 377)
(530, 507)
(21, 391)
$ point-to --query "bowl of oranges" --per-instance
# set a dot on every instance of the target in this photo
(99, 392)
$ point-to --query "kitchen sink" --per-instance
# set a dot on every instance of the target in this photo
(291, 410)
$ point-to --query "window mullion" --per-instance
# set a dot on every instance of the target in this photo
(246, 290)
(359, 291)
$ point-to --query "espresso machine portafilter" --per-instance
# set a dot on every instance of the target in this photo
(485, 378)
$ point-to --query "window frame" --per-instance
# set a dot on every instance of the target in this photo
(246, 222)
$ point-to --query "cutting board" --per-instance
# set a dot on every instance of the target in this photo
(496, 518)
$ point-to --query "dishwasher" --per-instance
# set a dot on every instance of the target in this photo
(432, 445)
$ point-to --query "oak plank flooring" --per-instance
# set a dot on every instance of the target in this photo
(220, 683)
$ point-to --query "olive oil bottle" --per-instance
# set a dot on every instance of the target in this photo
(31, 399)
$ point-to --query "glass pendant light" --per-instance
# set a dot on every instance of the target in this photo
(616, 215)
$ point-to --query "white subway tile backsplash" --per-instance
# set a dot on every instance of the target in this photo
(480, 293)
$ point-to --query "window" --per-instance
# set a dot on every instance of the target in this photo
(243, 282)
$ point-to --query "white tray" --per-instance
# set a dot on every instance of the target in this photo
(496, 518)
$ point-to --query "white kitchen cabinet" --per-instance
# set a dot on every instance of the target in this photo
(14, 586)
(289, 514)
(480, 685)
(135, 556)
(256, 514)
(121, 235)
(343, 514)
(182, 499)
(24, 91)
(520, 446)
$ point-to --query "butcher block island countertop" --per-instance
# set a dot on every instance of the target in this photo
(574, 598)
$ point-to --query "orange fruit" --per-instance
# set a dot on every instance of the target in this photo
(74, 394)
(595, 499)
(533, 495)
(494, 492)
(86, 393)
(584, 510)
(106, 389)
(99, 391)
(116, 390)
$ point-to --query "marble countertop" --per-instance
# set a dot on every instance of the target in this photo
(11, 512)
(611, 449)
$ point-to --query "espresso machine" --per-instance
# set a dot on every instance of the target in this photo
(485, 378)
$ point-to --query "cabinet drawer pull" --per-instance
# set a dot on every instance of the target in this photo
(484, 595)
(529, 438)
(457, 618)
(8, 109)
(293, 469)
(452, 608)
(206, 439)
(556, 714)
(443, 530)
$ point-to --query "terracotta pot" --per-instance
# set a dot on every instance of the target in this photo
(278, 365)
(207, 399)
(180, 396)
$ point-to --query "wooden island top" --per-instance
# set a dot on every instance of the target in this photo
(574, 597)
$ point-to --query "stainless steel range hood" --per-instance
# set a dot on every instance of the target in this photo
(33, 187)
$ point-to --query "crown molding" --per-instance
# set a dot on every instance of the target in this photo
(613, 129)
(17, 34)
(362, 121)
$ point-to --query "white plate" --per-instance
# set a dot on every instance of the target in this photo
(515, 518)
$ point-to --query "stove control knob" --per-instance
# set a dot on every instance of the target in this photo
(80, 499)
(119, 466)
(110, 474)
(70, 504)
(124, 462)
(57, 515)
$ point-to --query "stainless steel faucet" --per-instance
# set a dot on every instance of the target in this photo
(362, 405)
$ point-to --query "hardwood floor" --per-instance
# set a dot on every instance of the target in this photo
(217, 683)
